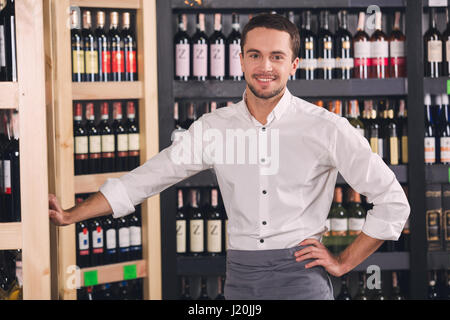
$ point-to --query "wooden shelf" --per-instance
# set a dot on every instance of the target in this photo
(90, 183)
(107, 90)
(10, 236)
(9, 95)
(213, 89)
(113, 272)
(116, 4)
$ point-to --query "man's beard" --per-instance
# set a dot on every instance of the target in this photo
(269, 95)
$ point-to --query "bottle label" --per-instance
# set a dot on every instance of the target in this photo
(2, 47)
(326, 63)
(362, 49)
(393, 150)
(217, 60)
(107, 143)
(124, 237)
(81, 147)
(131, 61)
(405, 149)
(374, 144)
(135, 236)
(83, 242)
(200, 60)
(95, 146)
(397, 49)
(339, 225)
(7, 176)
(447, 225)
(122, 145)
(434, 51)
(344, 63)
(433, 223)
(111, 239)
(355, 224)
(133, 141)
(430, 150)
(196, 235)
(379, 49)
(445, 149)
(308, 64)
(214, 235)
(91, 62)
(78, 61)
(447, 50)
(235, 60)
(182, 53)
(181, 236)
(117, 62)
(106, 61)
(97, 240)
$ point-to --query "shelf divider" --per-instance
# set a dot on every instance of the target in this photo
(90, 183)
(107, 90)
(9, 95)
(10, 236)
(116, 4)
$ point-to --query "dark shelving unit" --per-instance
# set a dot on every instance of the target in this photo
(417, 261)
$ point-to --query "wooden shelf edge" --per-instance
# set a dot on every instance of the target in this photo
(107, 90)
(115, 272)
(9, 95)
(118, 4)
(10, 236)
(90, 183)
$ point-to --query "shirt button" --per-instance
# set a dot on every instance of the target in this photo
(264, 222)
(262, 240)
(263, 128)
(264, 191)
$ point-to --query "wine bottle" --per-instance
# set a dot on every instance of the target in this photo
(214, 226)
(375, 135)
(196, 226)
(133, 137)
(220, 286)
(344, 50)
(95, 142)
(124, 239)
(204, 289)
(185, 289)
(383, 137)
(353, 116)
(181, 226)
(90, 49)
(97, 242)
(217, 50)
(129, 48)
(11, 167)
(120, 139)
(338, 222)
(182, 50)
(291, 17)
(379, 51)
(393, 141)
(397, 54)
(107, 137)
(445, 131)
(234, 49)
(430, 133)
(326, 59)
(200, 46)
(81, 147)
(433, 293)
(3, 67)
(83, 244)
(344, 294)
(356, 214)
(104, 51)
(378, 292)
(396, 291)
(308, 49)
(135, 224)
(191, 116)
(78, 68)
(116, 45)
(361, 294)
(433, 48)
(403, 130)
(361, 47)
(109, 227)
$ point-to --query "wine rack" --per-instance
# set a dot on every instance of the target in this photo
(27, 95)
(63, 92)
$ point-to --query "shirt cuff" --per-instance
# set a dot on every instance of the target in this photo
(380, 229)
(117, 196)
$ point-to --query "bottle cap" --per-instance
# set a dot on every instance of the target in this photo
(438, 100)
(427, 99)
(445, 99)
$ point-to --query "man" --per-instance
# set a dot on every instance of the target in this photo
(277, 205)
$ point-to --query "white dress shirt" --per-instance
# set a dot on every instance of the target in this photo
(285, 195)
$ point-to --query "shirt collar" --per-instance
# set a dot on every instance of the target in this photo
(276, 113)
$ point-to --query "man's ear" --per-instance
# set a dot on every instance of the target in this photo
(295, 66)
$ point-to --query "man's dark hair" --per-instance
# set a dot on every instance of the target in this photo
(277, 22)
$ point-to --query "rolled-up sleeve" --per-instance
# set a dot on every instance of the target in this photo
(367, 173)
(182, 159)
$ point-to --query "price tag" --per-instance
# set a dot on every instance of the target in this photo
(90, 278)
(129, 272)
(437, 3)
(448, 86)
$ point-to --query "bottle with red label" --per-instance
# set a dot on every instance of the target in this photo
(104, 53)
(361, 49)
(97, 242)
(117, 53)
(379, 51)
(107, 140)
(397, 66)
(129, 45)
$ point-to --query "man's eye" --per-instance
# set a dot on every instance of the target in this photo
(254, 56)
(277, 57)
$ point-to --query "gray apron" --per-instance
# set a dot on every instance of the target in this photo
(274, 275)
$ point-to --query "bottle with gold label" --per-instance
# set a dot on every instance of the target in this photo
(393, 141)
(78, 68)
(90, 49)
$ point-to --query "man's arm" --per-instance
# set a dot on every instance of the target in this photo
(95, 206)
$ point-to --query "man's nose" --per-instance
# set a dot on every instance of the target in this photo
(266, 64)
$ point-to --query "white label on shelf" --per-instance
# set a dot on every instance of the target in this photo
(437, 3)
(445, 149)
(362, 49)
(200, 60)
(182, 60)
(108, 143)
(434, 51)
(344, 63)
(217, 60)
(7, 176)
(235, 60)
(95, 144)
(214, 235)
(430, 150)
(97, 238)
(397, 49)
(133, 141)
(355, 224)
(196, 235)
(124, 237)
(135, 236)
(337, 224)
(83, 240)
(2, 47)
(81, 145)
(111, 239)
(122, 142)
(379, 49)
(307, 64)
(326, 63)
(181, 236)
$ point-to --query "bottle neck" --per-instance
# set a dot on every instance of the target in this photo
(432, 18)
(324, 20)
(343, 20)
(308, 20)
(361, 21)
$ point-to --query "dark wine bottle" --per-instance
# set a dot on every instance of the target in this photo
(90, 49)
(110, 230)
(430, 132)
(8, 65)
(130, 48)
(104, 51)
(12, 169)
(326, 58)
(124, 239)
(191, 116)
(220, 286)
(120, 138)
(133, 137)
(97, 242)
(308, 49)
(396, 291)
(107, 135)
(116, 45)
(78, 68)
(214, 225)
(135, 225)
(182, 50)
(234, 49)
(181, 225)
(81, 146)
(344, 293)
(3, 46)
(204, 289)
(200, 45)
(95, 140)
(344, 49)
(444, 134)
(196, 226)
(185, 289)
(433, 48)
(83, 244)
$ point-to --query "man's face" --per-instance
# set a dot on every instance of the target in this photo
(267, 61)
